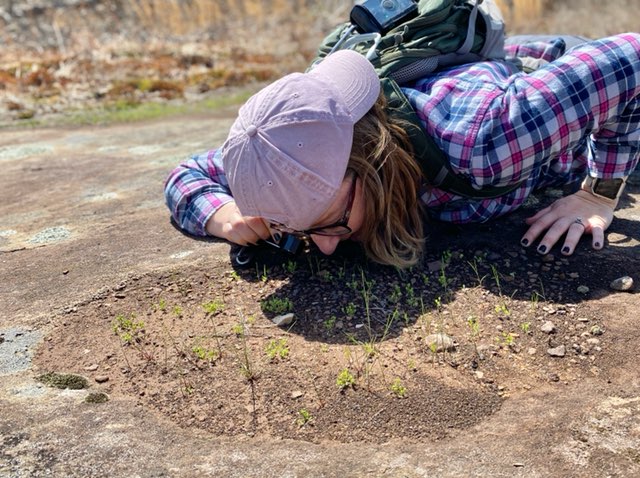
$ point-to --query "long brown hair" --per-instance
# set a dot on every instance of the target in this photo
(382, 157)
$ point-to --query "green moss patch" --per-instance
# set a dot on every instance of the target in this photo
(64, 380)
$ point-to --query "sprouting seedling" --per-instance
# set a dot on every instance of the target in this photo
(502, 309)
(213, 307)
(277, 349)
(304, 417)
(398, 388)
(396, 294)
(508, 339)
(475, 267)
(246, 364)
(474, 326)
(345, 379)
(262, 275)
(349, 309)
(291, 266)
(276, 305)
(204, 354)
(162, 305)
(128, 328)
(330, 323)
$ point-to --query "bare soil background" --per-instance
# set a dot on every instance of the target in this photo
(486, 360)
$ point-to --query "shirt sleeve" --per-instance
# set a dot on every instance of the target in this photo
(579, 113)
(195, 190)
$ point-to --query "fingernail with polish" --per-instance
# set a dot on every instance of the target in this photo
(566, 249)
(596, 245)
(524, 242)
(542, 249)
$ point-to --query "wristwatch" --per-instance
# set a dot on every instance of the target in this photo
(606, 188)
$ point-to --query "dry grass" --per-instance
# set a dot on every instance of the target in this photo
(590, 18)
(188, 47)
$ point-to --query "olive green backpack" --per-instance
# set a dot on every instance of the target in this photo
(442, 34)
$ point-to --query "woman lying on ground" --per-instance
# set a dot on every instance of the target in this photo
(317, 154)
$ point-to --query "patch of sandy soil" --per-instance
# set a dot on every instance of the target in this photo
(372, 354)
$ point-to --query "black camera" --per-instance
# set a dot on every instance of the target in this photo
(380, 16)
(288, 242)
(280, 240)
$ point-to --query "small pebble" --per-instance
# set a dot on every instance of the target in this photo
(622, 284)
(442, 342)
(559, 351)
(101, 379)
(284, 320)
(582, 289)
(548, 327)
(296, 394)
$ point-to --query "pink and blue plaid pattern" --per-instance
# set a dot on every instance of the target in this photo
(579, 113)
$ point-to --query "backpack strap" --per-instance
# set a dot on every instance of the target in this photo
(432, 160)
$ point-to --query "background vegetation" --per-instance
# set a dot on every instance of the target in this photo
(65, 56)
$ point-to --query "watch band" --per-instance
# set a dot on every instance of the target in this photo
(610, 189)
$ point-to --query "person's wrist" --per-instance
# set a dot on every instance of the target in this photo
(605, 191)
(214, 224)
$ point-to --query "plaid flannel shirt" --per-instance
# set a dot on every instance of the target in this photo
(579, 113)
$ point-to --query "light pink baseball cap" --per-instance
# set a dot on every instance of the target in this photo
(286, 155)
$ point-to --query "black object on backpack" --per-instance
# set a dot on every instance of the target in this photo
(410, 45)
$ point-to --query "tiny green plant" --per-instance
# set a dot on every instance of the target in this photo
(369, 349)
(526, 327)
(262, 275)
(304, 417)
(474, 326)
(396, 294)
(238, 329)
(502, 309)
(177, 311)
(204, 354)
(277, 349)
(213, 307)
(425, 278)
(476, 269)
(162, 305)
(235, 276)
(247, 367)
(128, 328)
(412, 300)
(438, 303)
(291, 266)
(330, 323)
(276, 305)
(398, 388)
(345, 379)
(508, 339)
(349, 309)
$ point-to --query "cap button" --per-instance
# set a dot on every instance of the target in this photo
(251, 130)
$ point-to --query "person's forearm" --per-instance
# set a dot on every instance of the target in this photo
(195, 190)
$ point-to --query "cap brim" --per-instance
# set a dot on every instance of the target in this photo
(354, 76)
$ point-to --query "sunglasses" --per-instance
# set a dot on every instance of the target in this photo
(337, 228)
